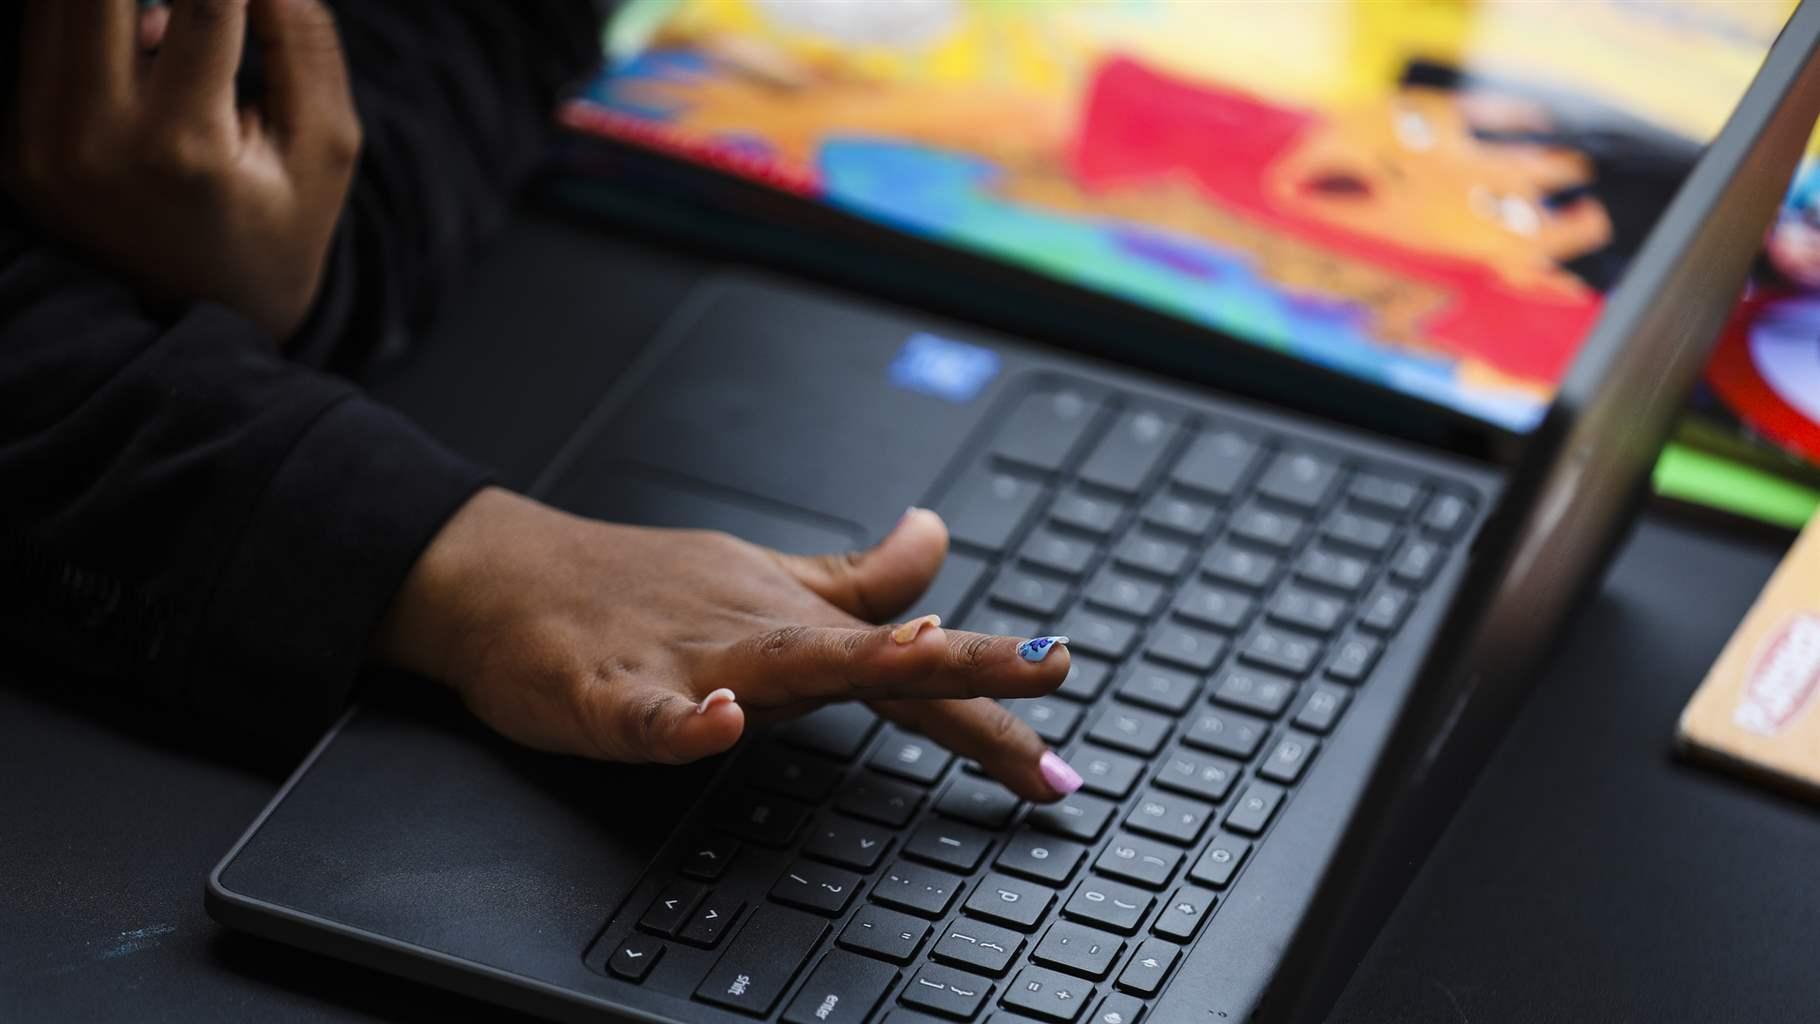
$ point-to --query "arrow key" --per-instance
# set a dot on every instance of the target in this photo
(1148, 967)
(671, 907)
(634, 957)
(1048, 995)
(707, 857)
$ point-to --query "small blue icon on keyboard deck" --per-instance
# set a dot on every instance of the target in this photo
(952, 370)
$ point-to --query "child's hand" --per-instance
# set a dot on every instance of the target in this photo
(130, 143)
(620, 642)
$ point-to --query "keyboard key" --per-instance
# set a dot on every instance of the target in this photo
(1214, 606)
(1285, 652)
(1127, 453)
(1105, 772)
(1124, 593)
(1010, 901)
(1299, 478)
(1078, 949)
(1415, 562)
(1353, 658)
(977, 801)
(1179, 514)
(1199, 775)
(1130, 730)
(1388, 494)
(1252, 811)
(713, 916)
(909, 756)
(1039, 857)
(1052, 719)
(1111, 905)
(1216, 463)
(882, 933)
(843, 989)
(1097, 633)
(752, 973)
(1086, 678)
(1044, 429)
(837, 730)
(1139, 861)
(849, 843)
(1183, 914)
(979, 947)
(671, 909)
(1154, 686)
(1220, 861)
(1078, 817)
(1028, 592)
(879, 799)
(987, 507)
(1088, 513)
(1267, 527)
(949, 844)
(918, 889)
(1058, 552)
(1184, 646)
(801, 776)
(633, 958)
(1144, 974)
(1304, 609)
(1237, 566)
(1047, 995)
(1446, 514)
(1359, 531)
(1178, 819)
(1001, 621)
(1117, 1008)
(1288, 758)
(947, 991)
(761, 820)
(1155, 555)
(1344, 573)
(1257, 692)
(811, 886)
(1385, 609)
(1224, 732)
(955, 584)
(1322, 708)
(706, 857)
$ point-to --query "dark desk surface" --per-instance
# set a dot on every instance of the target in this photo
(1588, 877)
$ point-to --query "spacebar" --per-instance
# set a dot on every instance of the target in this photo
(753, 971)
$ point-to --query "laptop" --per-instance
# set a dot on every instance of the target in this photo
(1295, 632)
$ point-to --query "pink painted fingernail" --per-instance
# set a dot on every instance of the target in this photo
(1061, 777)
(720, 696)
(909, 631)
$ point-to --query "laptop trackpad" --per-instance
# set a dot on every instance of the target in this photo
(652, 497)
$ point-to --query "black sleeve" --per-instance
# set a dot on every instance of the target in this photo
(187, 514)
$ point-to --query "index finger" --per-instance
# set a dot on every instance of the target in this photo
(917, 660)
(194, 73)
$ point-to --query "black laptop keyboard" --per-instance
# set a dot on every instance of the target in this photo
(1225, 592)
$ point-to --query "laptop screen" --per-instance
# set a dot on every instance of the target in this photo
(1434, 197)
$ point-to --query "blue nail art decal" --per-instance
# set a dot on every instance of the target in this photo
(1038, 649)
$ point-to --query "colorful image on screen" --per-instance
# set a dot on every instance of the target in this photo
(1432, 196)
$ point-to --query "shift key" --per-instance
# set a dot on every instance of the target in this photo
(757, 968)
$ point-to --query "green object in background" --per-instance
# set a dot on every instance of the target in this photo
(1687, 474)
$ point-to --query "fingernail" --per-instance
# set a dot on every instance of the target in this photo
(720, 696)
(1039, 648)
(909, 631)
(1061, 777)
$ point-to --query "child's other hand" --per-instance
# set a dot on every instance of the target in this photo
(635, 644)
(129, 142)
